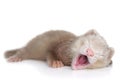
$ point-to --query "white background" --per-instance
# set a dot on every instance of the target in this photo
(21, 20)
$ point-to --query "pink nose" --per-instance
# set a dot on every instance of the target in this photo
(89, 52)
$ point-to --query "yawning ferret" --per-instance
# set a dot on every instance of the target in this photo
(61, 48)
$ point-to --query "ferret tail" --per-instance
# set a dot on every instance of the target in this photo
(10, 53)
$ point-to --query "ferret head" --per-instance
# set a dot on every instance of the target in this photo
(91, 51)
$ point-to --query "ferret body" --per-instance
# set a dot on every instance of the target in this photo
(61, 48)
(44, 47)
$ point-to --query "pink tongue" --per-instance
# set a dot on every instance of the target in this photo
(81, 60)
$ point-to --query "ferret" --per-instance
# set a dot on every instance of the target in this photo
(62, 48)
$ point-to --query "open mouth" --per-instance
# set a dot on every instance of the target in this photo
(80, 62)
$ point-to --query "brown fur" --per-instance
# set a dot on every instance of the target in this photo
(58, 48)
(41, 47)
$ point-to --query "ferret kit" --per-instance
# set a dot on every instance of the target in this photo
(61, 48)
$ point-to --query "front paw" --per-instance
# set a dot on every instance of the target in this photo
(56, 64)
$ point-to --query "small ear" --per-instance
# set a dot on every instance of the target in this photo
(111, 53)
(91, 32)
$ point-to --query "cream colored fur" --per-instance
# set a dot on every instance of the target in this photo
(93, 40)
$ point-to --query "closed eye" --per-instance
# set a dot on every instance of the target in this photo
(101, 56)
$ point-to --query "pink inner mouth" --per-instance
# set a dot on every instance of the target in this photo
(80, 62)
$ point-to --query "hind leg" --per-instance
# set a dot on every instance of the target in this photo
(18, 56)
(10, 53)
(14, 58)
